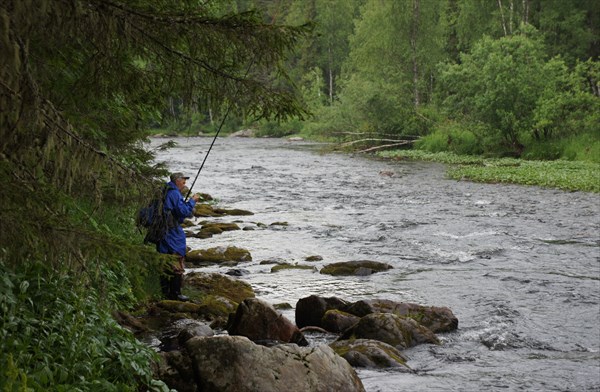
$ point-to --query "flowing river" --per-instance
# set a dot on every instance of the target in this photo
(519, 266)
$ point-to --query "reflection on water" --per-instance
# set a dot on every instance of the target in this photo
(519, 266)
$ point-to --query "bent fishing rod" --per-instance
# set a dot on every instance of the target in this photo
(217, 134)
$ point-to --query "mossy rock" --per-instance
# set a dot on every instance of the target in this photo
(398, 331)
(369, 353)
(356, 267)
(211, 228)
(217, 285)
(437, 319)
(179, 307)
(283, 306)
(284, 224)
(313, 258)
(216, 307)
(218, 255)
(272, 261)
(286, 266)
(220, 226)
(204, 196)
(335, 320)
(204, 210)
(187, 223)
(234, 211)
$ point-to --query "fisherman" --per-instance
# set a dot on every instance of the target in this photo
(174, 242)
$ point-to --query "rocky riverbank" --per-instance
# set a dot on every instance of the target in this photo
(227, 339)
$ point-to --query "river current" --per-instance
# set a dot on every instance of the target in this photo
(519, 266)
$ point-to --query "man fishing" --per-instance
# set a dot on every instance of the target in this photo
(176, 209)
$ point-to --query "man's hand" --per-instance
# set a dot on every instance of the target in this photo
(196, 197)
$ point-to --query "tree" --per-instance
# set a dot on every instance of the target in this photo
(79, 81)
(389, 73)
(498, 85)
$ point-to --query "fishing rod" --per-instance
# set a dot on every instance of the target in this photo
(208, 152)
(217, 134)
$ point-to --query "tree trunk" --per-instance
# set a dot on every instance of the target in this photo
(330, 76)
(413, 45)
(510, 16)
(502, 17)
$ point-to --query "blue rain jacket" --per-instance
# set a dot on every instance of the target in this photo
(174, 241)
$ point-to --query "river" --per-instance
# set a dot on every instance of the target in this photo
(519, 266)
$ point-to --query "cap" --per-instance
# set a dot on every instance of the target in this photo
(175, 176)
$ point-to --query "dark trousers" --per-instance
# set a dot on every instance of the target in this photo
(170, 283)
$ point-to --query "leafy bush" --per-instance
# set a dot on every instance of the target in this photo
(497, 84)
(453, 137)
(279, 129)
(54, 336)
(584, 147)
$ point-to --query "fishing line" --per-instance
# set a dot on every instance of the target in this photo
(217, 134)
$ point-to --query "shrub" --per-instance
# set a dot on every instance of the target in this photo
(56, 337)
(453, 137)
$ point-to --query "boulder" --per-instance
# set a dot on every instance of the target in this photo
(200, 284)
(337, 321)
(175, 369)
(437, 319)
(259, 321)
(398, 331)
(234, 363)
(174, 336)
(211, 228)
(206, 210)
(218, 255)
(286, 266)
(370, 354)
(310, 310)
(313, 258)
(232, 211)
(192, 330)
(356, 267)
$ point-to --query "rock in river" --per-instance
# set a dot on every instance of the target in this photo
(234, 363)
(259, 321)
(356, 267)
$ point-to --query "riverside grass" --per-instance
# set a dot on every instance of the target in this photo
(560, 174)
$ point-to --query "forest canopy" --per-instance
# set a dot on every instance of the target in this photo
(495, 77)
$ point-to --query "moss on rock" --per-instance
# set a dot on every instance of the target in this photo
(357, 267)
(218, 255)
(218, 285)
(287, 266)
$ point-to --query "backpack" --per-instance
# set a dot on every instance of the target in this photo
(154, 219)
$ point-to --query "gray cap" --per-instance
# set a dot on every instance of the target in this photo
(175, 176)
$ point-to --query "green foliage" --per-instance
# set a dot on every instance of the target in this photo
(56, 336)
(497, 84)
(573, 176)
(561, 174)
(275, 129)
(568, 106)
(452, 137)
(584, 147)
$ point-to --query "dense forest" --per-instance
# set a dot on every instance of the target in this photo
(82, 82)
(505, 77)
